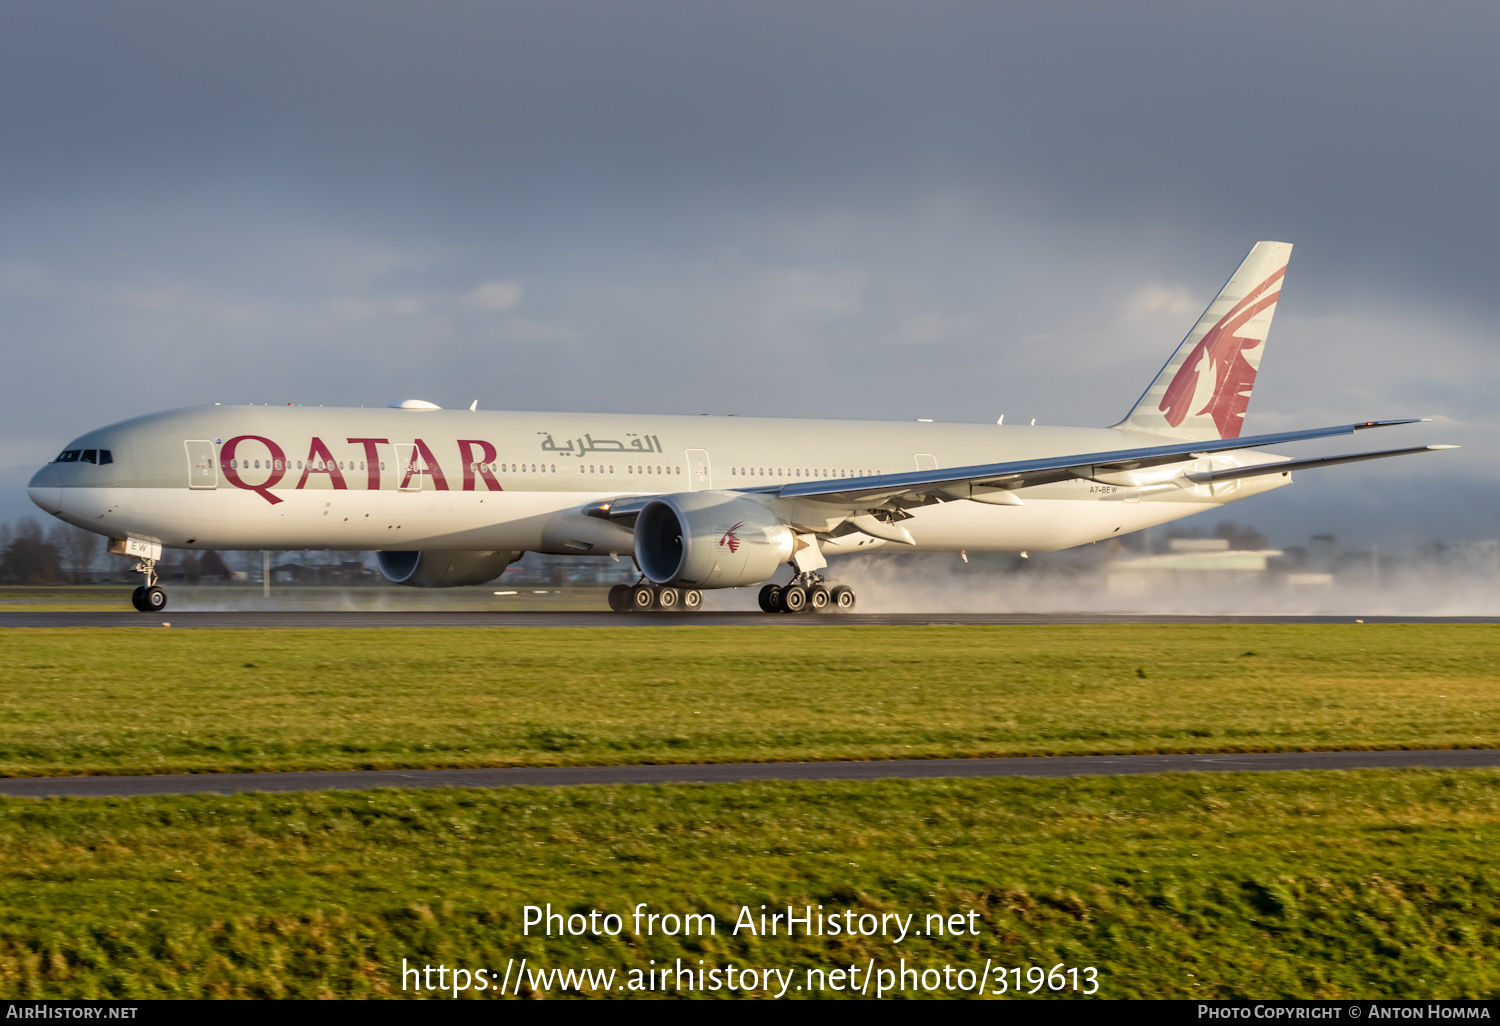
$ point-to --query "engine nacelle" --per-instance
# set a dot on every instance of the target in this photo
(709, 540)
(438, 568)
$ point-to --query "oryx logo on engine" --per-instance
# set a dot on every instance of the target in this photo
(731, 539)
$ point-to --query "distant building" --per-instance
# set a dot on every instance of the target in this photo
(349, 571)
(1188, 564)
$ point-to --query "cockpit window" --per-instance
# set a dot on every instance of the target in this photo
(89, 456)
(68, 456)
(105, 456)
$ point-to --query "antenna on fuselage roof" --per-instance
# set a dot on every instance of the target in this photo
(474, 406)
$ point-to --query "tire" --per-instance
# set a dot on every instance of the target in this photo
(154, 600)
(770, 599)
(667, 598)
(619, 598)
(138, 599)
(692, 600)
(794, 598)
(818, 598)
(842, 598)
(642, 598)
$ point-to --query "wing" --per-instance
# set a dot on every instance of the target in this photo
(994, 482)
(970, 482)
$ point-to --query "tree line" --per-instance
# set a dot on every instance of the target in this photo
(64, 554)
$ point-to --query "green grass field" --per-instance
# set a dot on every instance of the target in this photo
(157, 700)
(1355, 884)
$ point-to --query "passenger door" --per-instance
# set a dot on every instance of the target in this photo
(203, 464)
(700, 474)
(408, 474)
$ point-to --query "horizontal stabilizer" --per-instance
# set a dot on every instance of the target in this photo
(1235, 473)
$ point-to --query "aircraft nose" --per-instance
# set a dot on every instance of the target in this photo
(45, 490)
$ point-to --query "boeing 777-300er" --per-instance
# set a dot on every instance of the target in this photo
(452, 497)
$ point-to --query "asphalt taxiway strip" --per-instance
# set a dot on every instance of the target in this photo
(426, 618)
(728, 773)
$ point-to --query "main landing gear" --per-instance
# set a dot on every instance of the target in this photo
(645, 597)
(806, 593)
(148, 598)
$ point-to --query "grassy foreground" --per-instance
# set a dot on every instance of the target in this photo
(1357, 884)
(158, 700)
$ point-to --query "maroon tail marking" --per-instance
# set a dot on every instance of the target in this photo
(1233, 374)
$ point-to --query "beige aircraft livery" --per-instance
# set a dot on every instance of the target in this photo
(451, 497)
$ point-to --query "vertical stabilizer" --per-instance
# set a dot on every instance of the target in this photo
(1204, 389)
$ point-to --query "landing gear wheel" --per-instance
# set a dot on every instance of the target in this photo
(818, 598)
(667, 598)
(843, 598)
(770, 599)
(148, 598)
(642, 598)
(619, 598)
(692, 600)
(794, 598)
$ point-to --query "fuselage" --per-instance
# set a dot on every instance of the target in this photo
(297, 477)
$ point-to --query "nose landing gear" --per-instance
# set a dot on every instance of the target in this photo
(148, 598)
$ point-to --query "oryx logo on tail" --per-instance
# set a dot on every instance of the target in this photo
(1203, 391)
(1216, 378)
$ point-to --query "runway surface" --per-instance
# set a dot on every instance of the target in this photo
(912, 769)
(305, 619)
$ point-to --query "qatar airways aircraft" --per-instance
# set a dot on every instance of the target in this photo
(451, 497)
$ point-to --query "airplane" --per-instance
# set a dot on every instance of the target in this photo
(452, 497)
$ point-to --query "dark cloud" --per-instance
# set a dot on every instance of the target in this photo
(1362, 123)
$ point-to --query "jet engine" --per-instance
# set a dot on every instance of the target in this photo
(437, 568)
(709, 540)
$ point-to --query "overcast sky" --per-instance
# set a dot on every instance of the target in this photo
(863, 209)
